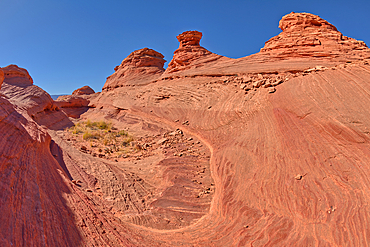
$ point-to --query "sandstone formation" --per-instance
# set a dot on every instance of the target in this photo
(190, 54)
(85, 90)
(17, 76)
(305, 34)
(72, 105)
(141, 66)
(267, 150)
(18, 88)
(1, 77)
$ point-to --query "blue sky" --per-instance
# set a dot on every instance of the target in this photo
(71, 43)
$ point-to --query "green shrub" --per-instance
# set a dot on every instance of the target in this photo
(89, 124)
(93, 135)
(123, 133)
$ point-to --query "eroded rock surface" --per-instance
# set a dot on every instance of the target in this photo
(305, 34)
(267, 150)
(139, 67)
(190, 54)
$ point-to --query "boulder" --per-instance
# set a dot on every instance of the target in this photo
(85, 90)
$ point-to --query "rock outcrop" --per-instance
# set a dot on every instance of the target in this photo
(190, 54)
(85, 90)
(141, 66)
(17, 76)
(1, 77)
(19, 89)
(305, 34)
(33, 185)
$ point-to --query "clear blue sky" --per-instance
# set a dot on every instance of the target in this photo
(66, 44)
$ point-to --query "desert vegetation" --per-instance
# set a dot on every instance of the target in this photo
(101, 139)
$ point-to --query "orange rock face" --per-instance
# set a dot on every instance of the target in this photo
(17, 76)
(305, 34)
(85, 90)
(140, 66)
(1, 77)
(190, 53)
(267, 150)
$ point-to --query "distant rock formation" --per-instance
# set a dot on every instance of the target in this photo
(85, 90)
(71, 101)
(305, 34)
(139, 67)
(190, 54)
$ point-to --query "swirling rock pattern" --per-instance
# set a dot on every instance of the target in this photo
(283, 145)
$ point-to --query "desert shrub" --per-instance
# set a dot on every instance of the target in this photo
(76, 130)
(109, 139)
(122, 133)
(100, 125)
(90, 135)
(127, 141)
(103, 125)
(89, 124)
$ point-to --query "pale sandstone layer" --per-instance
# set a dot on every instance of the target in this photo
(286, 141)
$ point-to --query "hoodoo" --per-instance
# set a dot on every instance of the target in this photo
(190, 54)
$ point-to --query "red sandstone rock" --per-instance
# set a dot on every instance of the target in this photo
(85, 90)
(71, 101)
(190, 54)
(305, 34)
(1, 77)
(290, 168)
(19, 89)
(17, 76)
(141, 65)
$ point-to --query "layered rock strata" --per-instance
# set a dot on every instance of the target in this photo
(139, 67)
(305, 34)
(190, 54)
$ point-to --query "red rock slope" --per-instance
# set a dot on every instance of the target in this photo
(286, 141)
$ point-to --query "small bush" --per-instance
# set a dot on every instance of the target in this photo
(87, 135)
(123, 133)
(89, 124)
(103, 125)
(76, 130)
(127, 141)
